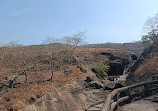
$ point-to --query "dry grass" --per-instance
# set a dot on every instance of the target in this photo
(148, 65)
(20, 96)
(103, 49)
(93, 53)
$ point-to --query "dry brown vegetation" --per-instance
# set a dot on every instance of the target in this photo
(36, 85)
(22, 94)
(34, 66)
(149, 65)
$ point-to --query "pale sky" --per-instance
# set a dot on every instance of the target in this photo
(31, 21)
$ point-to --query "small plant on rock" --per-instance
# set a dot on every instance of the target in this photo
(101, 70)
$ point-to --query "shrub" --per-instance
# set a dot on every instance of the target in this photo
(101, 70)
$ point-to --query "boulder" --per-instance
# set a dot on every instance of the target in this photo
(88, 79)
(155, 99)
(112, 86)
(95, 85)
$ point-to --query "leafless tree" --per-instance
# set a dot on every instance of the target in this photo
(25, 58)
(73, 41)
(50, 40)
(151, 24)
(51, 50)
(69, 43)
(150, 30)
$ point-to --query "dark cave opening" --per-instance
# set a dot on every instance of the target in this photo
(116, 69)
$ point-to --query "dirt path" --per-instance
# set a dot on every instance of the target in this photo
(141, 105)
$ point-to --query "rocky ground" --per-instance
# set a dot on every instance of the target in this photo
(77, 96)
(147, 104)
(144, 70)
(73, 91)
(73, 97)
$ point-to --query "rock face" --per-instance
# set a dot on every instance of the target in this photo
(117, 63)
(117, 59)
(155, 99)
(58, 101)
(73, 97)
(146, 55)
(146, 67)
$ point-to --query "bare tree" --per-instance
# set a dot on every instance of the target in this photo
(25, 58)
(69, 43)
(150, 30)
(72, 42)
(51, 50)
(50, 40)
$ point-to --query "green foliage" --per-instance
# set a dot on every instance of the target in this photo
(146, 41)
(101, 70)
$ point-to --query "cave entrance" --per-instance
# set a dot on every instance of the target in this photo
(116, 69)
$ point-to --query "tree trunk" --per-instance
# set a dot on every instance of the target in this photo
(25, 73)
(52, 76)
(26, 80)
(51, 68)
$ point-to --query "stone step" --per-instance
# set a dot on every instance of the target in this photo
(96, 107)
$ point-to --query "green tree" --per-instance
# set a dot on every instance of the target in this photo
(146, 41)
(101, 70)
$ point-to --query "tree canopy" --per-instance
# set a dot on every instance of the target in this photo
(151, 31)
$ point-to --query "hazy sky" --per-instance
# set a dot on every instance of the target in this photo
(31, 21)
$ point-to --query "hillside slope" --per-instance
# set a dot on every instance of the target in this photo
(73, 85)
(146, 66)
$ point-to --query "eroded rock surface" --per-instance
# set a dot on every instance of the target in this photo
(73, 97)
(142, 105)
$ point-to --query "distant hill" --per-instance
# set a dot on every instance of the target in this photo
(52, 45)
(136, 47)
